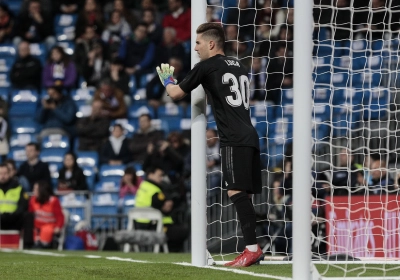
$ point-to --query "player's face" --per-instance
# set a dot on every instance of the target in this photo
(201, 47)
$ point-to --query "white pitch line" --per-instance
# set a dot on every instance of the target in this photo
(92, 257)
(238, 271)
(126, 260)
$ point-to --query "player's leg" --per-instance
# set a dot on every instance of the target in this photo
(237, 171)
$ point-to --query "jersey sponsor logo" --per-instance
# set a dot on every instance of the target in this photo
(232, 63)
(240, 88)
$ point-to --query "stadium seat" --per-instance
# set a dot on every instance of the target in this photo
(76, 204)
(342, 48)
(321, 95)
(65, 20)
(286, 96)
(322, 69)
(360, 48)
(4, 80)
(55, 159)
(320, 118)
(56, 141)
(82, 94)
(136, 110)
(24, 103)
(160, 124)
(107, 185)
(323, 48)
(263, 111)
(6, 64)
(377, 105)
(7, 51)
(105, 204)
(20, 140)
(84, 109)
(170, 110)
(18, 154)
(87, 159)
(128, 203)
(111, 172)
(68, 46)
(39, 51)
(14, 6)
(90, 176)
(24, 126)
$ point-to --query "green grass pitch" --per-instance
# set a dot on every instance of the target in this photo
(118, 265)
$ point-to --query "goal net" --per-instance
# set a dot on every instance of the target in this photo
(355, 220)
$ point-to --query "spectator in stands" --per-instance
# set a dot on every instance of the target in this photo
(154, 30)
(240, 49)
(211, 15)
(138, 51)
(381, 182)
(179, 18)
(279, 65)
(45, 5)
(213, 160)
(116, 29)
(71, 177)
(116, 150)
(26, 72)
(169, 47)
(34, 26)
(95, 65)
(119, 78)
(151, 194)
(68, 6)
(344, 177)
(145, 5)
(339, 17)
(93, 130)
(266, 15)
(90, 15)
(56, 114)
(59, 70)
(119, 5)
(156, 94)
(22, 181)
(130, 182)
(245, 16)
(4, 147)
(113, 104)
(258, 80)
(371, 23)
(169, 155)
(84, 44)
(49, 218)
(14, 202)
(34, 169)
(231, 32)
(6, 23)
(145, 135)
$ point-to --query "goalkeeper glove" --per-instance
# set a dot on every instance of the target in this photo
(165, 73)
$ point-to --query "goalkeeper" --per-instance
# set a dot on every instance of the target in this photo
(226, 84)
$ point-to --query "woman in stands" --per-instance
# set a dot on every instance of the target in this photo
(71, 177)
(130, 182)
(48, 215)
(59, 70)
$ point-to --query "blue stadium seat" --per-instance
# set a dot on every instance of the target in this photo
(287, 96)
(7, 50)
(56, 141)
(340, 78)
(87, 159)
(4, 94)
(360, 48)
(39, 51)
(23, 103)
(174, 124)
(136, 110)
(76, 204)
(112, 172)
(90, 176)
(18, 155)
(68, 46)
(24, 126)
(82, 94)
(83, 109)
(160, 124)
(54, 158)
(128, 203)
(107, 185)
(5, 80)
(323, 48)
(20, 140)
(320, 126)
(128, 125)
(105, 203)
(170, 110)
(63, 20)
(6, 64)
(322, 69)
(263, 110)
(64, 26)
(342, 48)
(321, 95)
(377, 105)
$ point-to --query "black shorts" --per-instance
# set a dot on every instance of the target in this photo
(241, 169)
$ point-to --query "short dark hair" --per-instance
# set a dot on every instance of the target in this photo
(4, 165)
(153, 168)
(213, 31)
(145, 115)
(36, 145)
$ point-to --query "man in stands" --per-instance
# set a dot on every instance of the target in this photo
(26, 72)
(179, 19)
(145, 135)
(13, 201)
(112, 100)
(93, 130)
(381, 182)
(34, 169)
(150, 194)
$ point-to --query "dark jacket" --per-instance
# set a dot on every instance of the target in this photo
(13, 221)
(77, 182)
(137, 53)
(34, 173)
(92, 133)
(42, 30)
(63, 116)
(140, 141)
(107, 153)
(26, 73)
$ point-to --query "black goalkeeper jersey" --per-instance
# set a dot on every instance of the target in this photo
(226, 84)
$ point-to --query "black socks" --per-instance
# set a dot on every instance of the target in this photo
(247, 217)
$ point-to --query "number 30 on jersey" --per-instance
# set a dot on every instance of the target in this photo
(239, 88)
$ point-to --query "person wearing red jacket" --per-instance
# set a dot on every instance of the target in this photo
(48, 215)
(179, 18)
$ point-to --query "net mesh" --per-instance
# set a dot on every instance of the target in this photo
(354, 189)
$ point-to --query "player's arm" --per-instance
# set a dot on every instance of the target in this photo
(175, 91)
